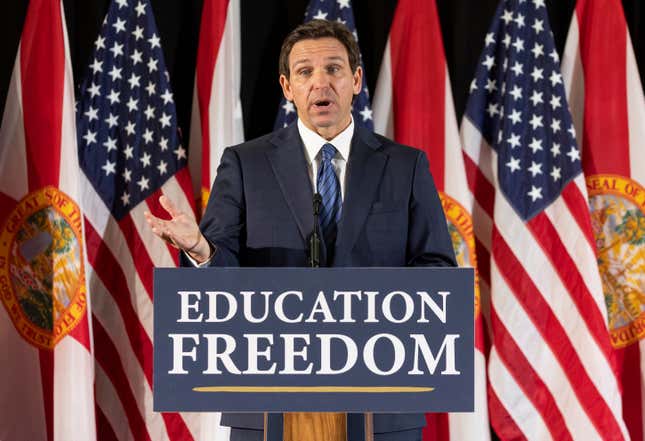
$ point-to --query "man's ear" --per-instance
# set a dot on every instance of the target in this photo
(286, 88)
(358, 80)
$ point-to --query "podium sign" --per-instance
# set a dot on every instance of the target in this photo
(314, 340)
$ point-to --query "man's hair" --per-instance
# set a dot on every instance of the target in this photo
(313, 30)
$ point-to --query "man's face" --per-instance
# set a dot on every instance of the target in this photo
(321, 85)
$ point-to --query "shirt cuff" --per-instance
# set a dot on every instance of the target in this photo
(206, 262)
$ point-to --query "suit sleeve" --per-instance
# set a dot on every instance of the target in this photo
(429, 242)
(224, 220)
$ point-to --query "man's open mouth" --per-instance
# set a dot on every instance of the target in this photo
(322, 104)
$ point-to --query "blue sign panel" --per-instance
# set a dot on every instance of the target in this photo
(314, 340)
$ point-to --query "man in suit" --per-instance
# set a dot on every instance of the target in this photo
(380, 206)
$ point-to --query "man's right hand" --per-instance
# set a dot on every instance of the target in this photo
(181, 231)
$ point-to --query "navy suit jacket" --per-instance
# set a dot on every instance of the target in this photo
(260, 214)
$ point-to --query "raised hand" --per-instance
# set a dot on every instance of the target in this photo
(181, 231)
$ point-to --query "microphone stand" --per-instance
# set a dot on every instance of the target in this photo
(299, 426)
(314, 239)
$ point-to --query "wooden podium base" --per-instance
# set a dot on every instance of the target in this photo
(315, 426)
(318, 426)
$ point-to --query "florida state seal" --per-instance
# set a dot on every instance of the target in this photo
(42, 277)
(460, 227)
(618, 220)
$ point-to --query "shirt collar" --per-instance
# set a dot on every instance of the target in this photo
(313, 141)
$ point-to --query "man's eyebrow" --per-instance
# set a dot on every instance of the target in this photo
(301, 61)
(307, 60)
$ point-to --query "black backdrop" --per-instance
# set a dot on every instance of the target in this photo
(264, 25)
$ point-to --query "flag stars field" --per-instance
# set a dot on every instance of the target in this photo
(131, 62)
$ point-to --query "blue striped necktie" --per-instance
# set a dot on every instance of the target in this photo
(329, 189)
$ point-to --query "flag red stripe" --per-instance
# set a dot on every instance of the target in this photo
(104, 429)
(483, 261)
(42, 69)
(111, 274)
(632, 397)
(142, 260)
(502, 422)
(81, 333)
(437, 427)
(46, 357)
(547, 236)
(482, 190)
(534, 388)
(579, 208)
(210, 36)
(419, 88)
(554, 335)
(605, 74)
(107, 355)
(7, 204)
(480, 338)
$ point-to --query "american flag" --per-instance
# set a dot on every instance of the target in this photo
(130, 154)
(551, 371)
(340, 11)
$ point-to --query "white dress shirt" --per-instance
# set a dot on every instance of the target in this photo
(313, 152)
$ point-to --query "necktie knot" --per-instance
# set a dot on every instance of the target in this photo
(328, 152)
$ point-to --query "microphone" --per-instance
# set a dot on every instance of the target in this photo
(314, 239)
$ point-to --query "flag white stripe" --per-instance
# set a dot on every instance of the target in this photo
(635, 116)
(455, 183)
(106, 311)
(14, 181)
(17, 396)
(543, 361)
(69, 175)
(382, 105)
(225, 107)
(573, 77)
(73, 391)
(516, 404)
(108, 401)
(468, 426)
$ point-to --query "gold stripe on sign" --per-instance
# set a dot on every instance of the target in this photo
(313, 389)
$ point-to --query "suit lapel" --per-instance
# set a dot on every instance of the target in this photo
(290, 169)
(364, 172)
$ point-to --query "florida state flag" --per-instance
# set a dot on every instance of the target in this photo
(46, 390)
(413, 105)
(217, 108)
(608, 108)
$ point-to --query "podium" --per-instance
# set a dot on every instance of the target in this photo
(304, 346)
